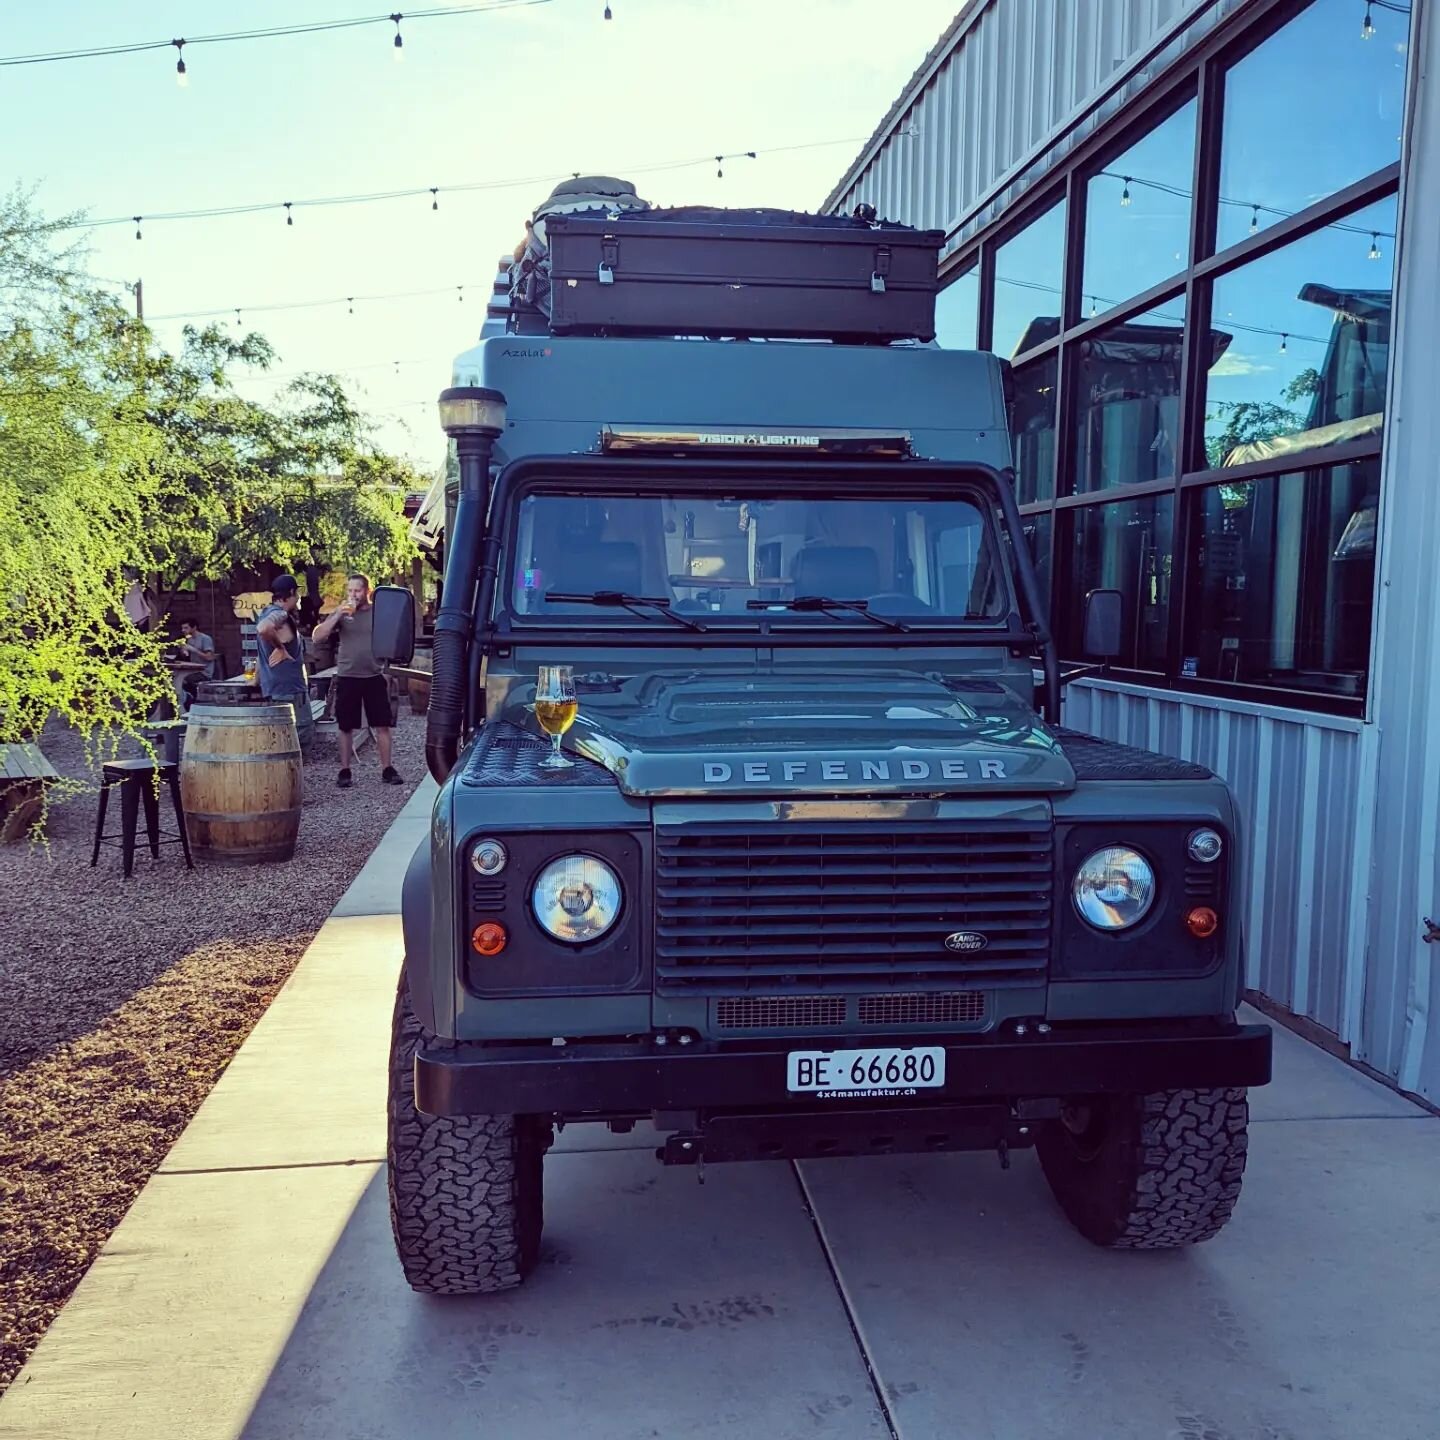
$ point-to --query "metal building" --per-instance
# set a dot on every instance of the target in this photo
(1187, 223)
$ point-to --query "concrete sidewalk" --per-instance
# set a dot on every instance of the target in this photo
(251, 1290)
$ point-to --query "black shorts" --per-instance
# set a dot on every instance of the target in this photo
(370, 693)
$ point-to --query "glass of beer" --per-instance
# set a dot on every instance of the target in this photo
(555, 709)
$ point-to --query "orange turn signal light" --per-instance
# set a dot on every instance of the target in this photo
(1202, 922)
(489, 938)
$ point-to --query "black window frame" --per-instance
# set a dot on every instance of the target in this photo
(1199, 75)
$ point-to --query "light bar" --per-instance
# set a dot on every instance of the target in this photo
(812, 442)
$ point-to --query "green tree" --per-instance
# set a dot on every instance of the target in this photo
(117, 457)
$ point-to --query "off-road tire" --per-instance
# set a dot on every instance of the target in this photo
(466, 1191)
(1148, 1172)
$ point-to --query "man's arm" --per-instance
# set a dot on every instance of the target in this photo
(323, 630)
(269, 631)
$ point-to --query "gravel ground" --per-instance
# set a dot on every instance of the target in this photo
(121, 1002)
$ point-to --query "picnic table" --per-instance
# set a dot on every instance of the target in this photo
(24, 774)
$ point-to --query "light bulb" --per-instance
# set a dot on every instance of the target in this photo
(608, 15)
(1283, 339)
(181, 78)
(398, 53)
(1374, 247)
(1368, 28)
(434, 197)
(1125, 193)
(289, 218)
(1254, 218)
(138, 236)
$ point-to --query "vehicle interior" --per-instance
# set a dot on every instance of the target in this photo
(731, 556)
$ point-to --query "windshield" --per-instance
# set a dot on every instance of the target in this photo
(719, 557)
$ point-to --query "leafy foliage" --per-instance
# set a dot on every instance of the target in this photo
(118, 458)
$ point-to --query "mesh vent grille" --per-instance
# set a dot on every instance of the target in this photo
(789, 1012)
(948, 1008)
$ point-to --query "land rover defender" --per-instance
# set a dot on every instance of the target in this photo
(825, 875)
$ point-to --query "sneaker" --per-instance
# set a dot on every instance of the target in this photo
(344, 780)
(391, 776)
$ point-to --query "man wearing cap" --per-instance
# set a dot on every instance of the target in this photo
(280, 656)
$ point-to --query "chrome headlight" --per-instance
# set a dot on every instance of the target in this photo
(1204, 845)
(576, 899)
(1114, 888)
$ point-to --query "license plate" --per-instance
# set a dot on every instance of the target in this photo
(859, 1074)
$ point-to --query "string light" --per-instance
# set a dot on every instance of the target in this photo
(460, 293)
(434, 197)
(1125, 193)
(350, 300)
(1254, 218)
(138, 235)
(1367, 30)
(399, 50)
(738, 155)
(289, 218)
(608, 15)
(272, 32)
(1283, 338)
(237, 319)
(653, 167)
(182, 77)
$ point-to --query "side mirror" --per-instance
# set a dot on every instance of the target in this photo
(1101, 639)
(394, 624)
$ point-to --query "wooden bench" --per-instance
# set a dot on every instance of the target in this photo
(24, 775)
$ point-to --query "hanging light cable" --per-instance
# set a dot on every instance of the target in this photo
(399, 48)
(1367, 30)
(182, 76)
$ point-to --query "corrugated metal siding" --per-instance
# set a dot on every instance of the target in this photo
(1016, 74)
(1402, 1003)
(1296, 782)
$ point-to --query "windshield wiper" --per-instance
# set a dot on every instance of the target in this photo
(826, 606)
(619, 600)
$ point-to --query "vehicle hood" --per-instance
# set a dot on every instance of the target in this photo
(806, 734)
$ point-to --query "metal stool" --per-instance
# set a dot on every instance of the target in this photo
(136, 780)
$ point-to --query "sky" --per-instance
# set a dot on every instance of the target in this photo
(533, 92)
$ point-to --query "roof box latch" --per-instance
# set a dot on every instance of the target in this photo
(609, 259)
(881, 270)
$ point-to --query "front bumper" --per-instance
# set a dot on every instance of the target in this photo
(598, 1080)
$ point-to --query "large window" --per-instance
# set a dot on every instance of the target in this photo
(1280, 578)
(1028, 271)
(957, 312)
(1200, 391)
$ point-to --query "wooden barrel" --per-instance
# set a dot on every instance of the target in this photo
(241, 783)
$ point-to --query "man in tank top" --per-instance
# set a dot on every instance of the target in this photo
(280, 656)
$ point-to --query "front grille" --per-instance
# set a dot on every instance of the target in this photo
(954, 1007)
(846, 906)
(779, 1012)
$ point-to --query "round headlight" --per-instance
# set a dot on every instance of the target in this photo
(1204, 845)
(1114, 888)
(576, 899)
(488, 857)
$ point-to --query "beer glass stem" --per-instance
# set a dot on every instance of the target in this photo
(555, 745)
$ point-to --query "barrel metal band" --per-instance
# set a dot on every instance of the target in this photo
(270, 757)
(243, 817)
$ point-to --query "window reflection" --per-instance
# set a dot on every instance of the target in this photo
(1028, 274)
(1037, 529)
(1315, 108)
(1137, 215)
(1032, 429)
(1127, 402)
(1281, 579)
(957, 312)
(1306, 340)
(1124, 546)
